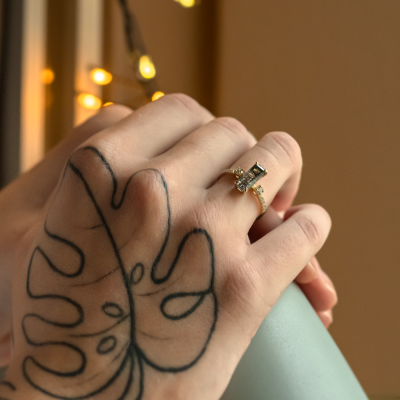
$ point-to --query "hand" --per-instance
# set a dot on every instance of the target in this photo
(21, 201)
(137, 279)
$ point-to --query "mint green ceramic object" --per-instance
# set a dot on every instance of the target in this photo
(293, 357)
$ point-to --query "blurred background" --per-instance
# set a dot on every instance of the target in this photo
(327, 72)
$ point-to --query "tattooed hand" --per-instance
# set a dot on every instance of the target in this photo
(139, 280)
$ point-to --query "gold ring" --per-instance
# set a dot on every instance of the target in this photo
(247, 180)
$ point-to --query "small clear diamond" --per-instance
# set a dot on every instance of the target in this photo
(241, 187)
(259, 190)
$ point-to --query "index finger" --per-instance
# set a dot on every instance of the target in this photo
(156, 127)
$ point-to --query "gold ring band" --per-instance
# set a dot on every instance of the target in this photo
(247, 180)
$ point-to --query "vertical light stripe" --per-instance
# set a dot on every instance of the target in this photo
(32, 89)
(89, 52)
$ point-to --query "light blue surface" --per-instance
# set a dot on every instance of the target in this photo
(293, 357)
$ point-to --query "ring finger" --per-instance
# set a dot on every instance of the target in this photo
(280, 154)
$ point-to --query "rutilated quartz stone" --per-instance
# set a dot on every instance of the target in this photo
(255, 173)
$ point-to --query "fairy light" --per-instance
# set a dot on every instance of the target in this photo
(89, 101)
(47, 76)
(146, 67)
(157, 95)
(109, 103)
(100, 76)
(186, 3)
(138, 57)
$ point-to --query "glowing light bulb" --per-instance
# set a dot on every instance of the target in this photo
(109, 103)
(187, 3)
(157, 95)
(146, 67)
(89, 101)
(100, 76)
(47, 76)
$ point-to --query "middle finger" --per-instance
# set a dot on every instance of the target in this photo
(207, 151)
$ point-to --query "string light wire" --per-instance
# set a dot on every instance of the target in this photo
(137, 50)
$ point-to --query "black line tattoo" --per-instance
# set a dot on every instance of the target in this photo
(116, 336)
(107, 345)
(8, 384)
(98, 279)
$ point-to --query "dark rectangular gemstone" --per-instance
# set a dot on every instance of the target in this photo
(255, 173)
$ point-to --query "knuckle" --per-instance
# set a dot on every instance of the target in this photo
(287, 145)
(147, 194)
(85, 159)
(323, 214)
(311, 228)
(147, 186)
(181, 99)
(85, 166)
(234, 128)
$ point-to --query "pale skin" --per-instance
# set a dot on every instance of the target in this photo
(193, 271)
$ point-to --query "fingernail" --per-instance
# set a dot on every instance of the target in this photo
(330, 287)
(326, 317)
(312, 267)
(308, 274)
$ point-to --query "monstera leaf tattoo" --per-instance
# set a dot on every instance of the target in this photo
(115, 288)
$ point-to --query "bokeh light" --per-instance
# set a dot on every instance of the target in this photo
(187, 3)
(89, 101)
(47, 76)
(100, 76)
(146, 67)
(157, 95)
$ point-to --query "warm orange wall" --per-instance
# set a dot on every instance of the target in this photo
(328, 72)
